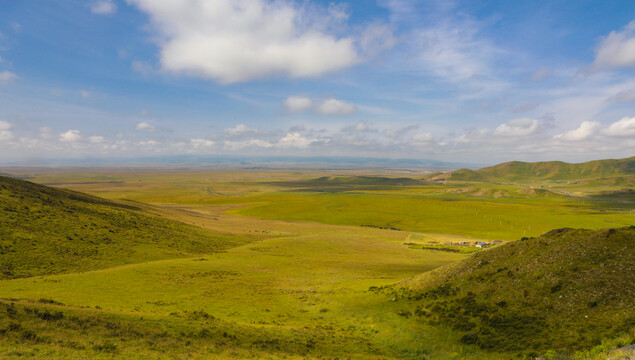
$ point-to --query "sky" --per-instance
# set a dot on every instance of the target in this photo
(462, 81)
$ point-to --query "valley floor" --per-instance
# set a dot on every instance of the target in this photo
(305, 286)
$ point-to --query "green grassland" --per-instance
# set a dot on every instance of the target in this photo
(566, 290)
(546, 171)
(45, 230)
(266, 264)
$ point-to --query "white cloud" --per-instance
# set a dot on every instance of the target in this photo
(333, 106)
(5, 130)
(422, 137)
(144, 126)
(240, 129)
(617, 49)
(453, 51)
(96, 139)
(238, 145)
(294, 140)
(85, 94)
(585, 131)
(376, 38)
(70, 136)
(6, 135)
(201, 143)
(103, 7)
(149, 143)
(360, 127)
(622, 128)
(398, 132)
(297, 104)
(517, 127)
(7, 76)
(230, 41)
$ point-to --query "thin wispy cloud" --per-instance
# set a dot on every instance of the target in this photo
(103, 7)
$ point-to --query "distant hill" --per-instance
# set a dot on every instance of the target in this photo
(565, 290)
(551, 170)
(46, 230)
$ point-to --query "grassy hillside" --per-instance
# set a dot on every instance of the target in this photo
(46, 231)
(551, 170)
(565, 290)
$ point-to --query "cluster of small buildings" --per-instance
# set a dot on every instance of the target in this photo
(478, 244)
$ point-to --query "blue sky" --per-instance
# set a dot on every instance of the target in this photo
(468, 81)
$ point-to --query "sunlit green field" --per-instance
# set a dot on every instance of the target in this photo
(302, 287)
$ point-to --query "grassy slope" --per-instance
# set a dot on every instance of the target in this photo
(552, 170)
(303, 294)
(566, 290)
(45, 231)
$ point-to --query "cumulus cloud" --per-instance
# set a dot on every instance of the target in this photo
(235, 41)
(334, 106)
(422, 137)
(5, 130)
(297, 104)
(96, 139)
(397, 132)
(360, 127)
(201, 143)
(238, 145)
(472, 136)
(7, 76)
(294, 140)
(70, 136)
(149, 143)
(586, 130)
(617, 50)
(517, 127)
(240, 129)
(330, 106)
(103, 7)
(622, 128)
(144, 126)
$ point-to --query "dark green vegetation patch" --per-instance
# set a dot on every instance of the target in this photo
(565, 290)
(333, 184)
(45, 230)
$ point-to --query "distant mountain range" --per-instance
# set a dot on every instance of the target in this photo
(550, 170)
(264, 161)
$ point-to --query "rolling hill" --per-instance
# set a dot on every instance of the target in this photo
(544, 171)
(45, 230)
(566, 290)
